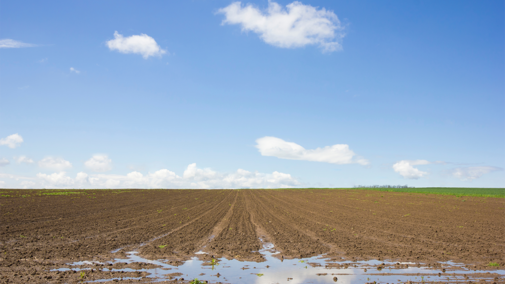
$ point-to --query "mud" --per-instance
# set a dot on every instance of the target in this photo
(42, 232)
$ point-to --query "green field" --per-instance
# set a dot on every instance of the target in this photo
(458, 191)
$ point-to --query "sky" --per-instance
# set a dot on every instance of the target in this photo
(252, 94)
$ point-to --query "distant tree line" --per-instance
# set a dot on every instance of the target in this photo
(382, 186)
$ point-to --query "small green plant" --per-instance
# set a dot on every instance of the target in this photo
(21, 236)
(82, 274)
(196, 281)
(213, 262)
(162, 246)
(302, 261)
(493, 264)
(159, 210)
(259, 274)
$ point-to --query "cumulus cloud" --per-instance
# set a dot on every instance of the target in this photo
(405, 168)
(82, 178)
(54, 163)
(10, 43)
(140, 44)
(296, 26)
(12, 141)
(57, 179)
(471, 173)
(4, 162)
(336, 154)
(73, 70)
(24, 160)
(99, 163)
(193, 177)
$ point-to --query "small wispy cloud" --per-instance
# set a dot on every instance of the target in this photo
(12, 141)
(406, 168)
(99, 163)
(54, 163)
(73, 70)
(10, 43)
(140, 44)
(471, 173)
(24, 160)
(4, 162)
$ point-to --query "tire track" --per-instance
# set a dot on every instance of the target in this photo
(184, 242)
(287, 239)
(237, 237)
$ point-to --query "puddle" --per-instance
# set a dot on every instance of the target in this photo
(306, 270)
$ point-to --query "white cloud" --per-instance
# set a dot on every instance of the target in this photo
(193, 177)
(99, 163)
(82, 178)
(471, 173)
(4, 162)
(192, 172)
(2, 183)
(23, 159)
(57, 179)
(140, 44)
(12, 141)
(336, 154)
(405, 168)
(54, 163)
(72, 69)
(10, 43)
(297, 26)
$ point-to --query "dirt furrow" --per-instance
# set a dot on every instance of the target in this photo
(286, 238)
(183, 243)
(237, 236)
(395, 238)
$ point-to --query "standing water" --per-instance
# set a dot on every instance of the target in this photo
(307, 270)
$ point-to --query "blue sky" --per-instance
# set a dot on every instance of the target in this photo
(212, 94)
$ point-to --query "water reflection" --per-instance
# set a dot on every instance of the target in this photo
(307, 270)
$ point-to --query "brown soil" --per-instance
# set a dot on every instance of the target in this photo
(40, 232)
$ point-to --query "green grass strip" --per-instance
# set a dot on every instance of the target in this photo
(457, 191)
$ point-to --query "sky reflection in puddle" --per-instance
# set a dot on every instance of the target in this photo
(307, 270)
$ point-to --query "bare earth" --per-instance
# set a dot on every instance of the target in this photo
(42, 232)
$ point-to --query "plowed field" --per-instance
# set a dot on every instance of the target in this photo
(41, 229)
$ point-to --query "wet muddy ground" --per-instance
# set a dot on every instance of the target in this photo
(128, 235)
